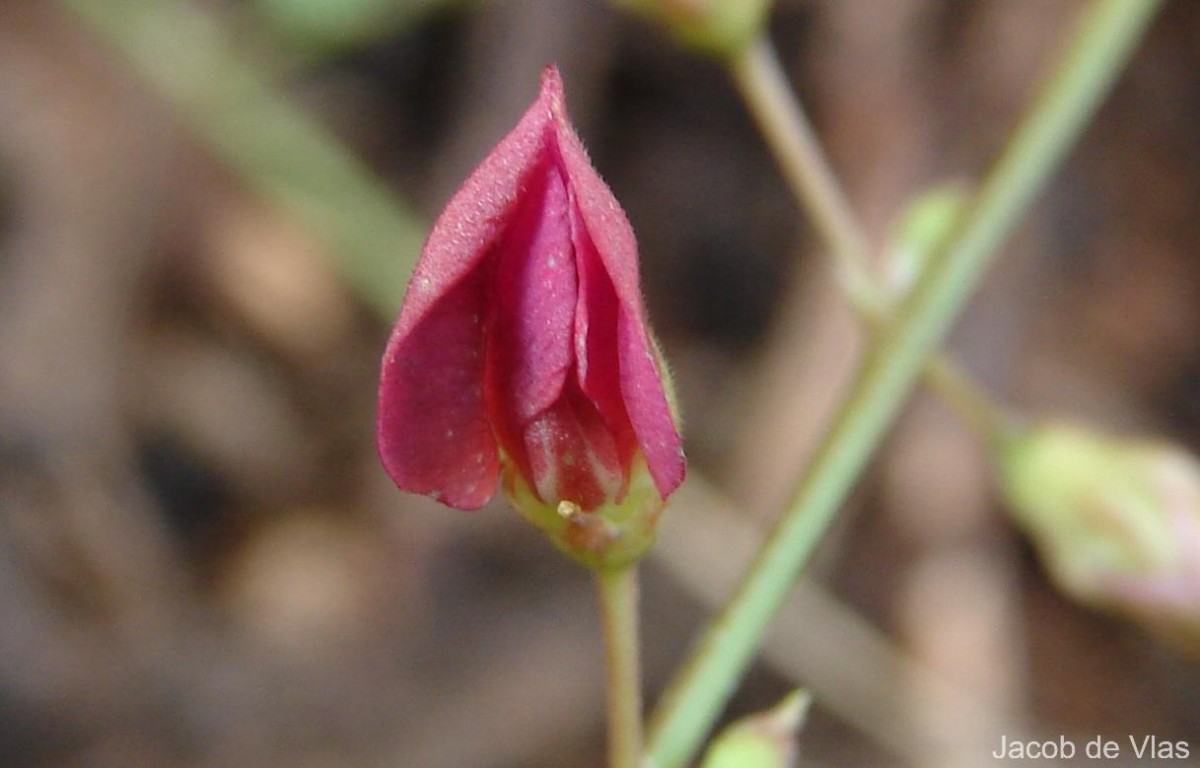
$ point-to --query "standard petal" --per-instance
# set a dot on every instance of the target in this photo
(649, 411)
(642, 389)
(596, 350)
(433, 429)
(479, 214)
(433, 434)
(601, 214)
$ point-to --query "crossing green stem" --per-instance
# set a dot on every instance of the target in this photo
(1097, 52)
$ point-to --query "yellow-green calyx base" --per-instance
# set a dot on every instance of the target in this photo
(611, 536)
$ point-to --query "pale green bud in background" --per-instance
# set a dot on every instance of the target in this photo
(720, 27)
(1115, 521)
(919, 230)
(763, 740)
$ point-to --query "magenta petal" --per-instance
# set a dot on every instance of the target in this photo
(532, 303)
(641, 382)
(597, 360)
(433, 431)
(649, 411)
(573, 455)
(433, 435)
(522, 343)
(533, 288)
(477, 216)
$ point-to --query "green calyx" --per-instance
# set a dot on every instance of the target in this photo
(611, 536)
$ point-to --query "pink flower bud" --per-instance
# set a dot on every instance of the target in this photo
(523, 349)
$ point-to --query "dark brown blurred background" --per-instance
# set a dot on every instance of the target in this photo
(201, 562)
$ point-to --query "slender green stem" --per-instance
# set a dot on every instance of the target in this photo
(986, 418)
(619, 607)
(781, 118)
(1102, 43)
(789, 134)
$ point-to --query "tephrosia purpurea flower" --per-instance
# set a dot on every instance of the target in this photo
(522, 352)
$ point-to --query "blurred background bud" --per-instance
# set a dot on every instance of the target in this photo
(1116, 521)
(721, 27)
(763, 740)
(327, 26)
(919, 229)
